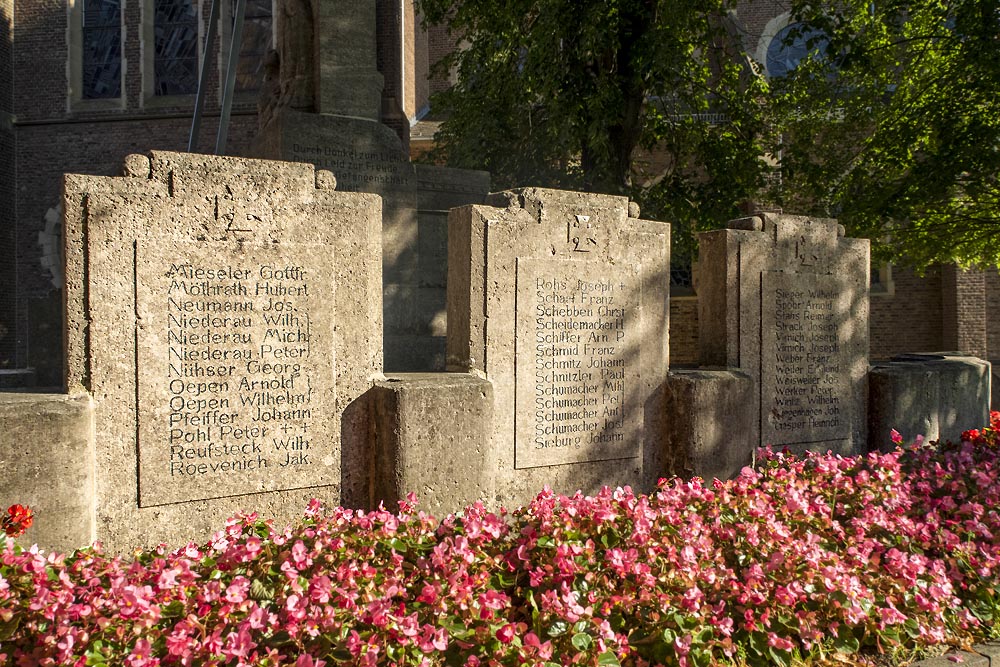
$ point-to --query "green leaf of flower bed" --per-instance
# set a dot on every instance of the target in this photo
(260, 591)
(557, 629)
(608, 659)
(174, 609)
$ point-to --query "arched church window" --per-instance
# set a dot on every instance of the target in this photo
(791, 45)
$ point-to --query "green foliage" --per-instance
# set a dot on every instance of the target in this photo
(574, 93)
(897, 130)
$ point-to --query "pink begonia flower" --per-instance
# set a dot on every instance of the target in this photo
(313, 509)
(237, 591)
(432, 639)
(890, 616)
(134, 601)
(141, 655)
(238, 644)
(306, 660)
(178, 643)
(428, 594)
(253, 547)
(506, 633)
(896, 437)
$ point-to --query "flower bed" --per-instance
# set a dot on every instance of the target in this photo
(799, 559)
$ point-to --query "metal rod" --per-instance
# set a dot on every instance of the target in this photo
(199, 103)
(227, 93)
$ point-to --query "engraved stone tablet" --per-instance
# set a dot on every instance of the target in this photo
(576, 328)
(235, 359)
(805, 359)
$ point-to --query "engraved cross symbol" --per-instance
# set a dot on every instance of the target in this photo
(578, 232)
(805, 252)
(234, 217)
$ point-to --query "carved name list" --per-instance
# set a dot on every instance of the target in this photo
(575, 363)
(231, 383)
(804, 379)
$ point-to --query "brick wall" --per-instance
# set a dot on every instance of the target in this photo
(991, 315)
(963, 306)
(439, 44)
(387, 18)
(908, 319)
(9, 348)
(40, 59)
(683, 331)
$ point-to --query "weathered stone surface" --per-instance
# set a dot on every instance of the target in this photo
(710, 427)
(933, 395)
(995, 389)
(234, 351)
(575, 323)
(785, 299)
(47, 463)
(225, 316)
(956, 657)
(559, 299)
(991, 651)
(432, 438)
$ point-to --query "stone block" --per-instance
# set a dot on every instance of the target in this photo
(444, 188)
(785, 299)
(936, 395)
(561, 301)
(710, 427)
(225, 316)
(963, 658)
(432, 438)
(413, 352)
(47, 463)
(990, 651)
(432, 248)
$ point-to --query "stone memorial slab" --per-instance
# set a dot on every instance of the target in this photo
(805, 357)
(560, 300)
(225, 316)
(574, 329)
(785, 299)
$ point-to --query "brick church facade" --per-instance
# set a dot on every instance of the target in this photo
(84, 83)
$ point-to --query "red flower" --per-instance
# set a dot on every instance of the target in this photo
(19, 519)
(971, 435)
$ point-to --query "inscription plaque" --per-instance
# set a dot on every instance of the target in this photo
(235, 370)
(576, 364)
(805, 360)
(356, 170)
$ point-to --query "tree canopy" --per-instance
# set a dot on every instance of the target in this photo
(892, 126)
(896, 130)
(576, 93)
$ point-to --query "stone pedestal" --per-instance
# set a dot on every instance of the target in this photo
(936, 395)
